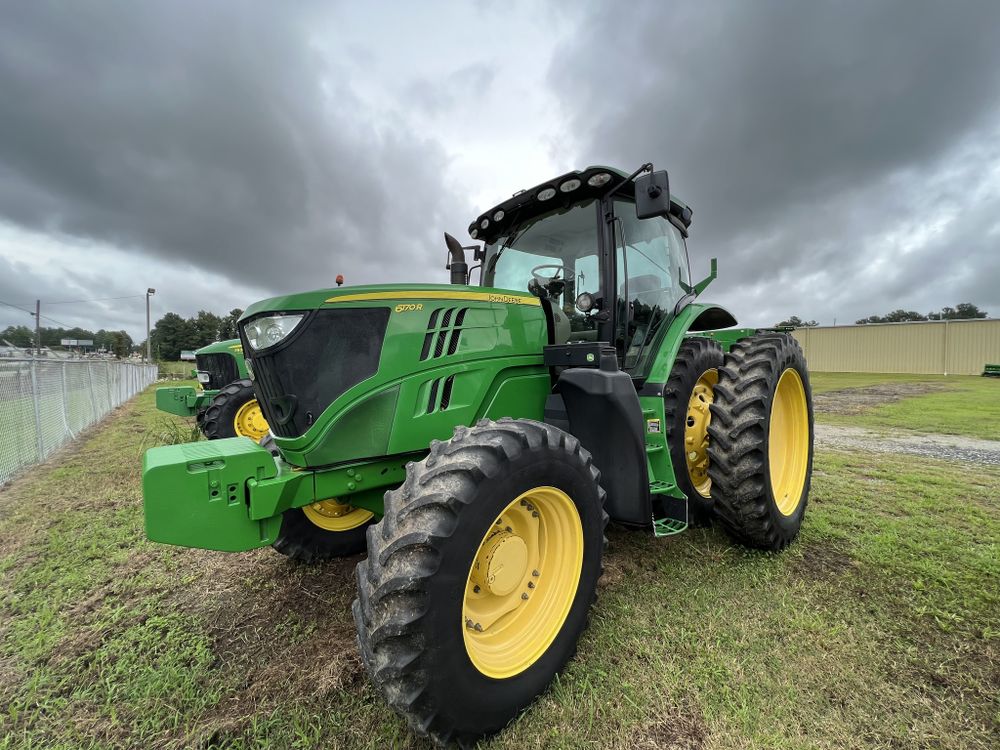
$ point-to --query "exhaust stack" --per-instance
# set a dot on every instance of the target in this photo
(456, 261)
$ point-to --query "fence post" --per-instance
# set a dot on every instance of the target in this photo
(39, 444)
(93, 393)
(65, 401)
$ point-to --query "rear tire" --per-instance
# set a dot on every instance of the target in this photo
(237, 399)
(303, 541)
(418, 600)
(761, 446)
(687, 398)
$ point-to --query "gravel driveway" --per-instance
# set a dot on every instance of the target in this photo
(946, 447)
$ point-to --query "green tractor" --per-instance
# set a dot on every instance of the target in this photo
(476, 440)
(226, 405)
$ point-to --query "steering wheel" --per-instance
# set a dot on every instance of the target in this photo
(543, 280)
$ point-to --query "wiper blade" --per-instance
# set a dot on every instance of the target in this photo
(512, 237)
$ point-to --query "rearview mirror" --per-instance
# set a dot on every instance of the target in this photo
(652, 195)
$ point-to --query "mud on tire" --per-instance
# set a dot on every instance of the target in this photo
(409, 610)
(746, 465)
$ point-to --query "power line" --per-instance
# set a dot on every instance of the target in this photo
(44, 317)
(99, 299)
(16, 307)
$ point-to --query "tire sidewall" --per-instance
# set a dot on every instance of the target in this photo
(789, 525)
(301, 539)
(478, 703)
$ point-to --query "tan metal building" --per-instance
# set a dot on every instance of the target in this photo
(945, 347)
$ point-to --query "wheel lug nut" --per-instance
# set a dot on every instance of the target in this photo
(478, 628)
(475, 589)
(531, 584)
(468, 624)
(524, 596)
(535, 573)
(510, 530)
(534, 514)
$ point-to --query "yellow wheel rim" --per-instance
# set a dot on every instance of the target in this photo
(522, 582)
(788, 442)
(334, 515)
(699, 416)
(249, 421)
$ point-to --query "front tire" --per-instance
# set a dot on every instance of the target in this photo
(480, 576)
(322, 531)
(234, 412)
(761, 448)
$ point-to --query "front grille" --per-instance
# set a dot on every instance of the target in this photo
(221, 369)
(329, 352)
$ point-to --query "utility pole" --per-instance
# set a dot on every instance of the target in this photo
(149, 346)
(38, 328)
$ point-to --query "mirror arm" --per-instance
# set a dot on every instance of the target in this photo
(648, 166)
(703, 284)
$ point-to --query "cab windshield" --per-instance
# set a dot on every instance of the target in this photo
(566, 241)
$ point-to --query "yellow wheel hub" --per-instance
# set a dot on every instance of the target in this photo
(699, 416)
(334, 515)
(788, 442)
(522, 582)
(249, 421)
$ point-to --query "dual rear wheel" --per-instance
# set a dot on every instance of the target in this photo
(740, 430)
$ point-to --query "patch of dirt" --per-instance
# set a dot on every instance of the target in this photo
(821, 560)
(677, 730)
(862, 400)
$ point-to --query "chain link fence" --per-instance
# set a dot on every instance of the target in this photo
(45, 403)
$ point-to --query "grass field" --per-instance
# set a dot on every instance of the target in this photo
(952, 405)
(878, 628)
(174, 370)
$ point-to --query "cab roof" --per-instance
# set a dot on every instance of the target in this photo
(561, 192)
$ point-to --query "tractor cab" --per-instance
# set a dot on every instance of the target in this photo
(606, 264)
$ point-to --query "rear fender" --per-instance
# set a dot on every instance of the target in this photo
(694, 318)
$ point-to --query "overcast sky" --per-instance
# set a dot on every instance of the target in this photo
(842, 159)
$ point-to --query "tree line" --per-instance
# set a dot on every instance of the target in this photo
(173, 334)
(117, 342)
(961, 311)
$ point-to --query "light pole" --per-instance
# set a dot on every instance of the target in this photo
(149, 346)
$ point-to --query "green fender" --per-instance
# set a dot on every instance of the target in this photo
(697, 317)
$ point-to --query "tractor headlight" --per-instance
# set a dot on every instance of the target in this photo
(264, 332)
(203, 377)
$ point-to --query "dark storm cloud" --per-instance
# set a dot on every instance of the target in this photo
(806, 136)
(210, 133)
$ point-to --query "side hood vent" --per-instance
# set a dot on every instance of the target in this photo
(444, 329)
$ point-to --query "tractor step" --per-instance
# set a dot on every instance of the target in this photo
(673, 509)
(668, 527)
